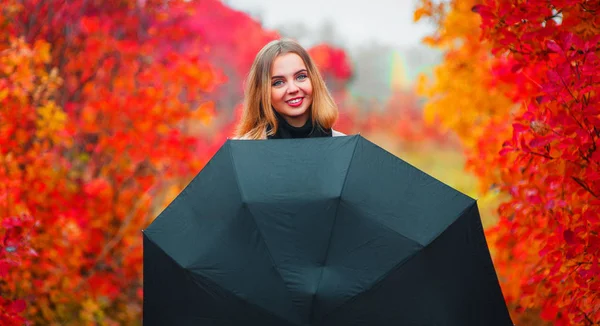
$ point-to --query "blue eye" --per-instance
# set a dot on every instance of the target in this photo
(302, 77)
(277, 83)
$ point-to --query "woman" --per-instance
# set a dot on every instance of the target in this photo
(286, 96)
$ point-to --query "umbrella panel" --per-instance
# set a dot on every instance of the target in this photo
(334, 241)
(172, 296)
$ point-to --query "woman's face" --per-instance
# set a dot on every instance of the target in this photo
(291, 89)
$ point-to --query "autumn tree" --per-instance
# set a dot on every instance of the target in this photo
(519, 85)
(25, 138)
(92, 125)
(334, 65)
(230, 41)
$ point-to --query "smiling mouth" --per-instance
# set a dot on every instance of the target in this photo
(295, 102)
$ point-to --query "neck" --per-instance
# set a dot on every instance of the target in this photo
(298, 121)
(286, 129)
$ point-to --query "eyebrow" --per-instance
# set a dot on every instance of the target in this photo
(297, 72)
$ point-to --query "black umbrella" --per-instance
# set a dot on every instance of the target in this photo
(323, 231)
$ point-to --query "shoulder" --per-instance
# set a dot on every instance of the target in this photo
(335, 133)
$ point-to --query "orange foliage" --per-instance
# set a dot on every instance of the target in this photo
(334, 66)
(399, 118)
(531, 128)
(92, 125)
(103, 117)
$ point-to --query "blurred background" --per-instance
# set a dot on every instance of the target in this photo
(109, 108)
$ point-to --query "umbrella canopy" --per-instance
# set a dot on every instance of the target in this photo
(323, 231)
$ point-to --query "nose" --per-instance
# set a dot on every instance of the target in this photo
(292, 88)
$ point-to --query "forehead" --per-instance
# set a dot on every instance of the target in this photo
(286, 64)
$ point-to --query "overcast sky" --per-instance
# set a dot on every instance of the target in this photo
(357, 22)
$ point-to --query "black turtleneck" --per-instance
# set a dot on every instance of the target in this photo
(285, 130)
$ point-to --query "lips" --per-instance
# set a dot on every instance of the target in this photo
(295, 102)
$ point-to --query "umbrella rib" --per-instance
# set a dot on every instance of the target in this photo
(269, 253)
(312, 307)
(387, 227)
(403, 262)
(235, 173)
(466, 209)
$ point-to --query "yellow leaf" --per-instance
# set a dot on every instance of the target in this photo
(42, 52)
(204, 112)
(3, 94)
(419, 13)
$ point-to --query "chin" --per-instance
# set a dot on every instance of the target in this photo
(297, 114)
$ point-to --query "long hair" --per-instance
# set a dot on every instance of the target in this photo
(258, 113)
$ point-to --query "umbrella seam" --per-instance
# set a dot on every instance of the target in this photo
(209, 282)
(244, 204)
(235, 175)
(375, 284)
(331, 232)
(461, 213)
(400, 264)
(275, 267)
(397, 232)
(381, 278)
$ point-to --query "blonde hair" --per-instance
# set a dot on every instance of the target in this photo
(258, 113)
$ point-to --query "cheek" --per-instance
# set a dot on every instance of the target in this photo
(275, 95)
(308, 89)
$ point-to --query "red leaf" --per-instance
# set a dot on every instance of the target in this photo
(555, 268)
(549, 312)
(553, 46)
(546, 250)
(524, 145)
(553, 76)
(483, 10)
(17, 306)
(89, 25)
(477, 8)
(541, 141)
(594, 244)
(505, 150)
(519, 127)
(569, 237)
(564, 71)
(591, 216)
(4, 268)
(567, 40)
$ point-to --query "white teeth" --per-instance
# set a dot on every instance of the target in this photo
(295, 101)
